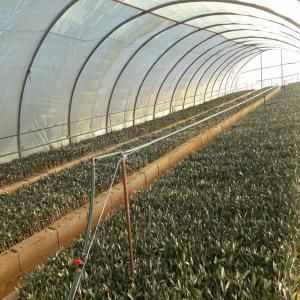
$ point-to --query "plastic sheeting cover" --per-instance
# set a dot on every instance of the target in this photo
(99, 66)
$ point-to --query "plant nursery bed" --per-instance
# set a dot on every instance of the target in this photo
(160, 167)
(28, 168)
(14, 170)
(224, 224)
(42, 203)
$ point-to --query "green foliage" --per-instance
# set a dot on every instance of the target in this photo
(21, 169)
(41, 203)
(224, 224)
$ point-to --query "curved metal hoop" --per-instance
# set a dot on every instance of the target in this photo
(35, 53)
(222, 70)
(152, 37)
(181, 39)
(253, 37)
(143, 12)
(185, 96)
(203, 75)
(237, 74)
(228, 78)
(202, 54)
(177, 63)
(151, 10)
(230, 71)
(210, 66)
(230, 74)
(203, 64)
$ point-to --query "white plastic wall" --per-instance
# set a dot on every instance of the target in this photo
(100, 66)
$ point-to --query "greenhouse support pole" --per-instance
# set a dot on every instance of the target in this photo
(90, 211)
(261, 72)
(127, 210)
(87, 238)
(281, 63)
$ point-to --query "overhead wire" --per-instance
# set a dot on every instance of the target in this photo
(135, 149)
(123, 155)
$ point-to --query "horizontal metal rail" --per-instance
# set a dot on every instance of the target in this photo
(88, 119)
(279, 77)
(138, 148)
(270, 67)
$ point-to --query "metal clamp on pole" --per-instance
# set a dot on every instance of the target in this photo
(127, 211)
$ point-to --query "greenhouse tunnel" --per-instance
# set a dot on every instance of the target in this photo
(72, 70)
(149, 149)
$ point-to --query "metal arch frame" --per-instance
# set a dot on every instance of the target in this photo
(272, 66)
(150, 39)
(227, 64)
(229, 13)
(207, 85)
(178, 41)
(143, 12)
(235, 80)
(59, 15)
(258, 48)
(151, 68)
(244, 51)
(200, 67)
(177, 63)
(169, 48)
(144, 44)
(239, 38)
(184, 74)
(185, 96)
(227, 76)
(38, 47)
(252, 5)
(238, 73)
(193, 76)
(227, 81)
(208, 59)
(229, 72)
(209, 67)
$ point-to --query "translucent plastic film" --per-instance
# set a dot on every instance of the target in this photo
(71, 70)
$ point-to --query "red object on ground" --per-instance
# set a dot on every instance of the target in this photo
(78, 262)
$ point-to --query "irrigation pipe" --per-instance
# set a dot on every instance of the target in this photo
(89, 243)
(135, 149)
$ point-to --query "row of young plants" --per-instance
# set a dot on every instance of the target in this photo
(33, 207)
(21, 169)
(224, 224)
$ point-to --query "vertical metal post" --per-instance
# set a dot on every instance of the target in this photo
(90, 211)
(130, 248)
(261, 71)
(78, 275)
(281, 63)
